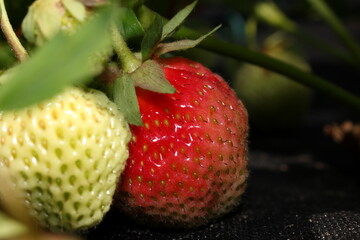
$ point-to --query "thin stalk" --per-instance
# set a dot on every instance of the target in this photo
(14, 42)
(128, 60)
(243, 54)
(334, 22)
(251, 33)
(325, 47)
(270, 14)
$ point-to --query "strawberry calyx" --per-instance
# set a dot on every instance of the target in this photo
(141, 69)
(150, 76)
(59, 14)
(181, 44)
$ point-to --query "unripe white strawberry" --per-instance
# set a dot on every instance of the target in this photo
(65, 157)
(45, 18)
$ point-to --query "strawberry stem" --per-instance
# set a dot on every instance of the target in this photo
(335, 23)
(243, 54)
(14, 42)
(127, 59)
(270, 14)
(251, 33)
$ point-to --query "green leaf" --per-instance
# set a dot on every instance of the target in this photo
(126, 100)
(129, 26)
(10, 228)
(177, 20)
(152, 38)
(7, 58)
(150, 76)
(181, 44)
(62, 61)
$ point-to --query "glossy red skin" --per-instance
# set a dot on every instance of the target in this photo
(188, 162)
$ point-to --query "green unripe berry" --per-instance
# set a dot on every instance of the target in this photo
(45, 18)
(64, 157)
(273, 100)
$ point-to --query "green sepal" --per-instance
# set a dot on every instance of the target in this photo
(129, 25)
(28, 27)
(42, 77)
(76, 9)
(151, 38)
(150, 76)
(175, 22)
(163, 48)
(125, 98)
(49, 21)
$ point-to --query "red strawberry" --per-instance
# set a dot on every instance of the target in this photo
(188, 162)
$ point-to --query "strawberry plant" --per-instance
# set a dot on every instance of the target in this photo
(99, 112)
